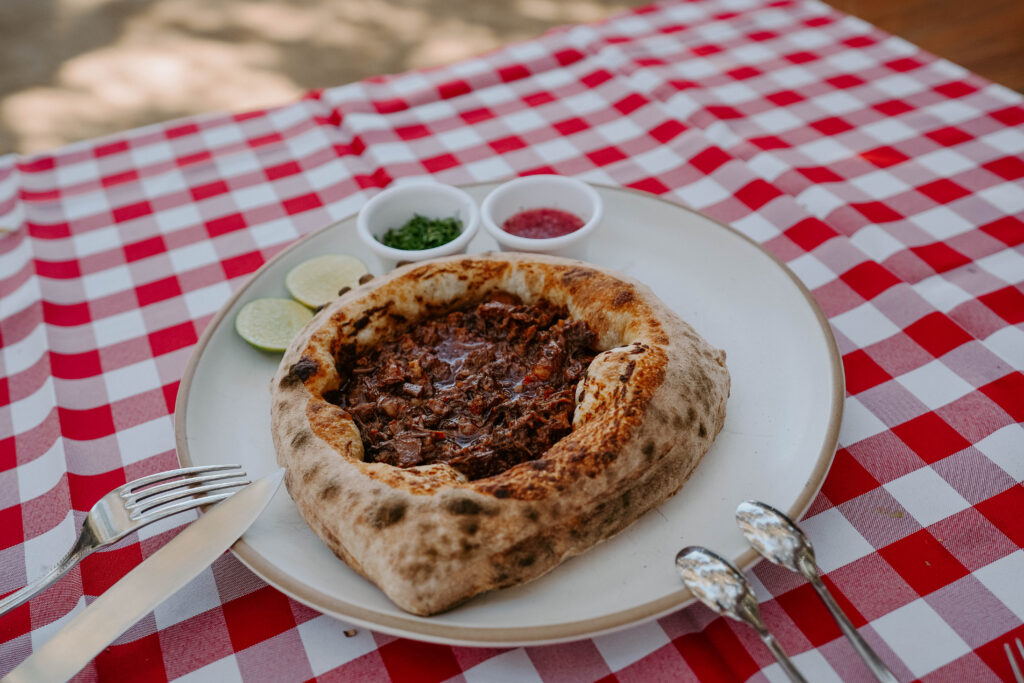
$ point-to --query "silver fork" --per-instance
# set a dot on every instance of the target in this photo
(1013, 661)
(130, 507)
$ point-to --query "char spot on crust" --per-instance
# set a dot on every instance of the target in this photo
(659, 336)
(593, 460)
(299, 440)
(416, 572)
(542, 465)
(622, 297)
(311, 472)
(369, 315)
(702, 430)
(330, 491)
(462, 506)
(677, 421)
(648, 449)
(628, 372)
(526, 552)
(691, 415)
(574, 275)
(301, 370)
(500, 491)
(387, 513)
(469, 527)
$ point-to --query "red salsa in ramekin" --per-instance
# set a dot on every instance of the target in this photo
(542, 223)
(542, 213)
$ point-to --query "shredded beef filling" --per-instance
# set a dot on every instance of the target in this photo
(482, 389)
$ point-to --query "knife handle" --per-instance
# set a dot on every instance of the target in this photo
(147, 585)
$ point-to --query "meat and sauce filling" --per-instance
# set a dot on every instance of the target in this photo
(482, 389)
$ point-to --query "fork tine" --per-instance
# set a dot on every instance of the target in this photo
(1013, 660)
(148, 505)
(174, 508)
(171, 474)
(132, 499)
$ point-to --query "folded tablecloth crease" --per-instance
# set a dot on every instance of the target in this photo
(889, 181)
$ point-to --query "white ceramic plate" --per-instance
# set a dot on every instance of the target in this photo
(777, 444)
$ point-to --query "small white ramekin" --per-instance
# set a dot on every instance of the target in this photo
(543, 192)
(395, 206)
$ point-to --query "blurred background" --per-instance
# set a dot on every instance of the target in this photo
(75, 69)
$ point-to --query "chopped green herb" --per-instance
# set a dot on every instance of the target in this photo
(423, 233)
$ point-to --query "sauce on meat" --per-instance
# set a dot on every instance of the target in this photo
(483, 388)
(542, 223)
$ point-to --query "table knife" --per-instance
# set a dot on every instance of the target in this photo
(154, 580)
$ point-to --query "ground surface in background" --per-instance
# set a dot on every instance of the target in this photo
(75, 69)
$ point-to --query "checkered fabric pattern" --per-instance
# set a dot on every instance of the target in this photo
(889, 181)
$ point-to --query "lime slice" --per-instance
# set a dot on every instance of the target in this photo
(316, 282)
(270, 324)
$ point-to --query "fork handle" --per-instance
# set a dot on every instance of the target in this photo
(73, 557)
(874, 663)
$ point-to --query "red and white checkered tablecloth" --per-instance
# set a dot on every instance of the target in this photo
(890, 182)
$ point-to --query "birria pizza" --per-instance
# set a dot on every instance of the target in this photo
(469, 423)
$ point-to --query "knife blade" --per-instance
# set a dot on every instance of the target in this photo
(154, 580)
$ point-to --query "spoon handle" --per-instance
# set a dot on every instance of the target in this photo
(781, 657)
(878, 668)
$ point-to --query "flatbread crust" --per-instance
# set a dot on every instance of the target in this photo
(647, 411)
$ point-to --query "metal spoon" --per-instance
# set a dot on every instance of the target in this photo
(722, 587)
(775, 536)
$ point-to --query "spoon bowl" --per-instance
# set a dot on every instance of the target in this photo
(719, 585)
(775, 536)
(781, 541)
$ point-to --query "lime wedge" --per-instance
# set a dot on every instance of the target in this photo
(270, 324)
(316, 282)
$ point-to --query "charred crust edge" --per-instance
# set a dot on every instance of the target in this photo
(301, 370)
